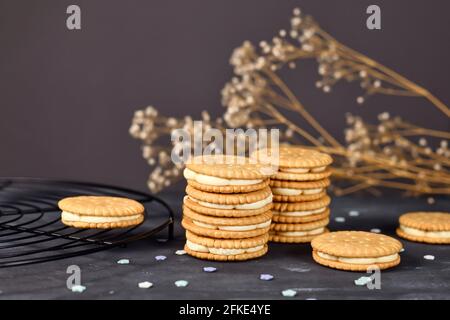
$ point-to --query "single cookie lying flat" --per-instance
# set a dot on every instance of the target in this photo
(225, 250)
(98, 212)
(356, 250)
(428, 227)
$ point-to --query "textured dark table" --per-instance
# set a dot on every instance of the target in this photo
(291, 265)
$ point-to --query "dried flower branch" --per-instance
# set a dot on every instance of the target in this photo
(393, 153)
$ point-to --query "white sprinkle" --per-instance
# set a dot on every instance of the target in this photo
(402, 249)
(160, 258)
(428, 257)
(339, 219)
(363, 281)
(311, 298)
(180, 252)
(289, 293)
(111, 292)
(78, 288)
(375, 230)
(353, 213)
(181, 283)
(123, 261)
(145, 285)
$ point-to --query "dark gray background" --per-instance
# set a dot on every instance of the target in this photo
(67, 97)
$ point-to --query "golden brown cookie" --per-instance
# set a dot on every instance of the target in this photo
(301, 206)
(292, 227)
(229, 188)
(226, 221)
(220, 257)
(225, 232)
(310, 176)
(298, 198)
(230, 167)
(296, 157)
(100, 212)
(356, 250)
(428, 227)
(225, 250)
(299, 184)
(224, 212)
(280, 218)
(232, 199)
(279, 237)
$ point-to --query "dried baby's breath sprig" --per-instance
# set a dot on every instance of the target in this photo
(393, 153)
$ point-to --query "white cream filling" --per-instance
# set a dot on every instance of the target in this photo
(299, 213)
(67, 216)
(382, 259)
(233, 228)
(244, 206)
(421, 233)
(227, 252)
(300, 233)
(295, 192)
(303, 170)
(216, 181)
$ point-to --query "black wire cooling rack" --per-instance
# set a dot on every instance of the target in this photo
(31, 230)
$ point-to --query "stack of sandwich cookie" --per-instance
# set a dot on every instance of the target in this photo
(356, 250)
(427, 227)
(300, 208)
(227, 209)
(98, 212)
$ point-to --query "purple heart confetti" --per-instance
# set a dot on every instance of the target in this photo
(160, 258)
(209, 269)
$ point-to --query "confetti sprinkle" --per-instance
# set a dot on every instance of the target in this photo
(209, 269)
(363, 281)
(145, 285)
(180, 252)
(265, 277)
(431, 200)
(160, 258)
(375, 230)
(162, 240)
(289, 293)
(402, 249)
(123, 261)
(78, 288)
(311, 298)
(339, 219)
(428, 257)
(353, 213)
(181, 283)
(111, 292)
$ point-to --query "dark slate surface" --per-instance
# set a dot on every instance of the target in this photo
(291, 265)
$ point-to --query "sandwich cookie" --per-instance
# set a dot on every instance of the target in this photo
(235, 201)
(356, 250)
(298, 163)
(225, 250)
(301, 212)
(428, 227)
(225, 227)
(297, 191)
(297, 233)
(227, 174)
(99, 212)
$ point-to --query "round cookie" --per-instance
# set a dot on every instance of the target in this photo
(228, 188)
(310, 176)
(427, 227)
(224, 212)
(249, 200)
(297, 157)
(298, 191)
(292, 227)
(279, 218)
(356, 250)
(301, 206)
(100, 212)
(225, 250)
(222, 232)
(276, 237)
